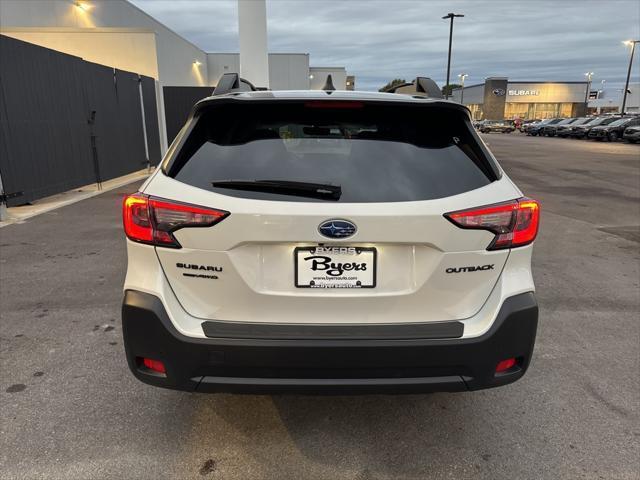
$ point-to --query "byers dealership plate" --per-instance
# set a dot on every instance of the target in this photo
(335, 267)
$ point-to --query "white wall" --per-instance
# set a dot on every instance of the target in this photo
(221, 63)
(125, 49)
(338, 75)
(175, 55)
(289, 71)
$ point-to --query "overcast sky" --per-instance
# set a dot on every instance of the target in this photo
(379, 40)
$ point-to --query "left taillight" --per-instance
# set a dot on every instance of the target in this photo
(514, 223)
(153, 220)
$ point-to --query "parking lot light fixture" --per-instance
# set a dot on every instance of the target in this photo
(450, 16)
(589, 76)
(84, 6)
(632, 44)
(462, 76)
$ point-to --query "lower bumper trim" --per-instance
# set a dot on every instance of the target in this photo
(334, 385)
(327, 365)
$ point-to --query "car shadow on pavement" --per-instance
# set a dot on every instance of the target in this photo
(377, 435)
(361, 436)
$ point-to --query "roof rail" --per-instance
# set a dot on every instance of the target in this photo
(232, 82)
(421, 85)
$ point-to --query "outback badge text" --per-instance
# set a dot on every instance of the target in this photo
(470, 269)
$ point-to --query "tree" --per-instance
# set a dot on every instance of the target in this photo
(393, 83)
(450, 88)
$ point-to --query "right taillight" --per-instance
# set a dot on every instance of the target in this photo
(515, 223)
(153, 220)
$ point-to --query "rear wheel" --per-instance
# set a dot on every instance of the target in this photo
(613, 137)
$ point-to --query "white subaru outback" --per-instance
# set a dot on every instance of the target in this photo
(314, 241)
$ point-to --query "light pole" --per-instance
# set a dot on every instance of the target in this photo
(462, 76)
(626, 85)
(589, 76)
(450, 16)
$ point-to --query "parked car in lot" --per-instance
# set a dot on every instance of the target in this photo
(549, 130)
(564, 130)
(614, 130)
(536, 128)
(501, 126)
(525, 124)
(273, 253)
(632, 134)
(581, 131)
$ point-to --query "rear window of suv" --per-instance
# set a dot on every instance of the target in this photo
(373, 153)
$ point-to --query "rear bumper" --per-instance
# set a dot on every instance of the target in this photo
(264, 364)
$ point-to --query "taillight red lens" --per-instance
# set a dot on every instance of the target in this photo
(515, 223)
(153, 220)
(135, 216)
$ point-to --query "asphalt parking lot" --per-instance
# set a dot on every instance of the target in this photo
(71, 409)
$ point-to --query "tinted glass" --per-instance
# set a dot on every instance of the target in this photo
(583, 121)
(607, 121)
(620, 121)
(374, 153)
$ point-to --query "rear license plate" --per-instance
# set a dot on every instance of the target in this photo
(335, 267)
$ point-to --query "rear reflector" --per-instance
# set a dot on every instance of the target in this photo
(505, 365)
(153, 220)
(515, 223)
(155, 365)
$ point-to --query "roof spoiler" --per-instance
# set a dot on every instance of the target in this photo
(421, 85)
(232, 82)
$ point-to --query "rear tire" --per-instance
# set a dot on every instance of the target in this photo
(613, 137)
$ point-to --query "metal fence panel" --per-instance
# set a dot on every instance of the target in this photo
(45, 121)
(177, 105)
(46, 100)
(151, 119)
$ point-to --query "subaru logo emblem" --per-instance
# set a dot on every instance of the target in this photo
(337, 229)
(499, 92)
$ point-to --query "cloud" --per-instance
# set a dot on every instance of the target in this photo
(379, 40)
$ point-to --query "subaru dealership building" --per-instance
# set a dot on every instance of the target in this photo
(499, 98)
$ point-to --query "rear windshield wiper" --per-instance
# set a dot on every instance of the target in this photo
(284, 187)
